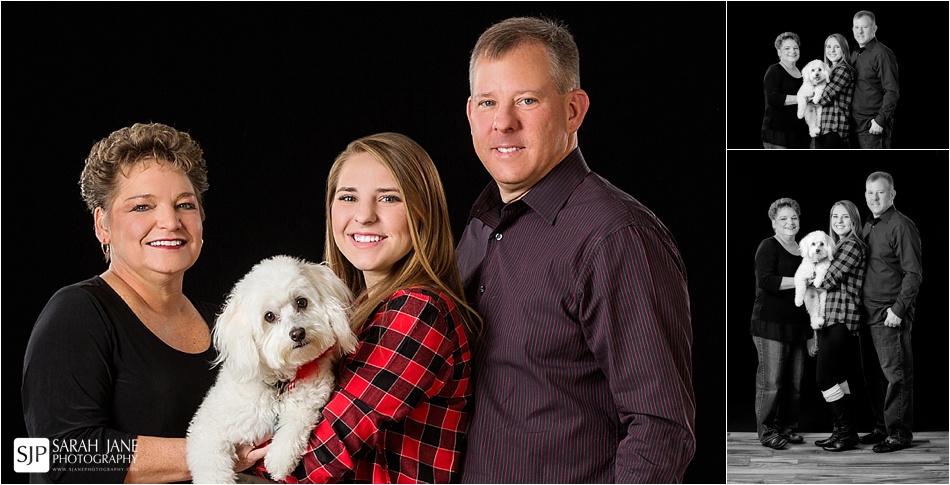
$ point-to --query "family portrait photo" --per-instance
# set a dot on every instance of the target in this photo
(874, 75)
(836, 334)
(388, 227)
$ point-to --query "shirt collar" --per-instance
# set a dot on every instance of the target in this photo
(546, 197)
(869, 46)
(885, 217)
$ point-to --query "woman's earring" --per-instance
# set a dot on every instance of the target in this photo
(105, 248)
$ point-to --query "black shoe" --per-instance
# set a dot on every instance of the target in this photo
(776, 442)
(830, 439)
(842, 443)
(847, 437)
(793, 438)
(873, 438)
(888, 446)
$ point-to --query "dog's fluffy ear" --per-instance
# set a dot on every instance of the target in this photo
(337, 302)
(233, 335)
(803, 247)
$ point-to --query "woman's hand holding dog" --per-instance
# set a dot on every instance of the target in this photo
(250, 453)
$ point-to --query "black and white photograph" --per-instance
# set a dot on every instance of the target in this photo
(777, 50)
(870, 392)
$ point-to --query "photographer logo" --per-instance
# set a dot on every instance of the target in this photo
(31, 455)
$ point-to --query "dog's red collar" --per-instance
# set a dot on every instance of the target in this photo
(309, 369)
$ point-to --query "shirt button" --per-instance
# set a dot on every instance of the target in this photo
(481, 289)
(498, 236)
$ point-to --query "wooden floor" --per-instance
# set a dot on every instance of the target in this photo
(747, 461)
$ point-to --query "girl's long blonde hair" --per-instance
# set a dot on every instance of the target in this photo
(855, 223)
(431, 262)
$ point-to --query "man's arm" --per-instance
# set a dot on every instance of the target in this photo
(908, 250)
(636, 315)
(888, 76)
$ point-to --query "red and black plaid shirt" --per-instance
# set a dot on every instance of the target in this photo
(844, 281)
(400, 411)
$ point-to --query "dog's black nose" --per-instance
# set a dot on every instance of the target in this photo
(297, 334)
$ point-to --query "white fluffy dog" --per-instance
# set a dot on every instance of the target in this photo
(284, 326)
(817, 250)
(815, 77)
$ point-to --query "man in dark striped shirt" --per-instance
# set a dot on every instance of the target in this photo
(893, 280)
(876, 87)
(583, 372)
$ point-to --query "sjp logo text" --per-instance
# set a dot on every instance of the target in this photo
(31, 455)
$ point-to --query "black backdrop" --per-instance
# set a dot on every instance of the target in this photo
(816, 184)
(915, 31)
(274, 91)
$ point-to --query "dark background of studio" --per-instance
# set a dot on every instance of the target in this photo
(915, 31)
(273, 92)
(920, 179)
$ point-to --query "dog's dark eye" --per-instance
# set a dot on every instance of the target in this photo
(302, 303)
(269, 317)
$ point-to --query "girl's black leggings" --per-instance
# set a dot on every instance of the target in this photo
(833, 345)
